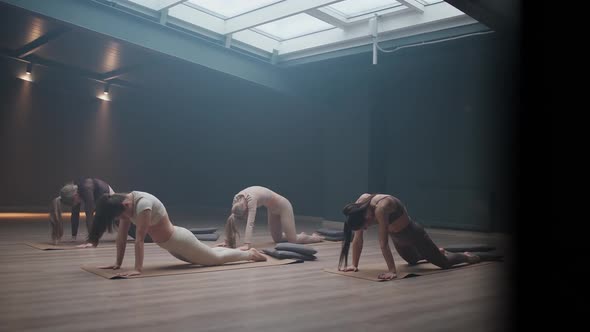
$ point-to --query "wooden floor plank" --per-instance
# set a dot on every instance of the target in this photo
(47, 291)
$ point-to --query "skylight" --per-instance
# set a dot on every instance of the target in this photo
(285, 30)
(231, 8)
(294, 26)
(352, 8)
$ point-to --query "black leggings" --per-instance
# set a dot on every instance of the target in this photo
(413, 244)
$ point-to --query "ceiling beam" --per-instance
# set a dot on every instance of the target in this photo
(107, 20)
(33, 46)
(111, 75)
(329, 16)
(54, 65)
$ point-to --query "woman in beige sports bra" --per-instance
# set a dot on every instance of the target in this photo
(150, 217)
(409, 238)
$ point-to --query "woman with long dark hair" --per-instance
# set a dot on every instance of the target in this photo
(409, 238)
(281, 219)
(150, 217)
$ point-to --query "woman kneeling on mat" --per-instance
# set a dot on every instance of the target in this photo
(150, 217)
(409, 238)
(281, 220)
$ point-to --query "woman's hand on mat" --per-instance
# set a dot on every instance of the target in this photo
(129, 273)
(114, 267)
(387, 275)
(350, 268)
(84, 245)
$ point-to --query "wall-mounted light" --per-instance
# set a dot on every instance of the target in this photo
(28, 74)
(105, 92)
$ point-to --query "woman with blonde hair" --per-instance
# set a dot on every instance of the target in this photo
(281, 220)
(84, 190)
(150, 217)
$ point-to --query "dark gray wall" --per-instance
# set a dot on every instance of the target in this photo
(449, 115)
(188, 145)
(431, 125)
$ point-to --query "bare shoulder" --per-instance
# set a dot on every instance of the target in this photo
(386, 203)
(363, 197)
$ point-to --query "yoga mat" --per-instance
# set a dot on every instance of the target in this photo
(185, 268)
(330, 232)
(205, 230)
(371, 271)
(333, 238)
(207, 237)
(272, 245)
(473, 247)
(68, 245)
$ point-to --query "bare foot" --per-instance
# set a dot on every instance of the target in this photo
(472, 259)
(303, 238)
(256, 255)
(317, 237)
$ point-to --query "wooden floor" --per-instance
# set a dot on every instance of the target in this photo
(47, 291)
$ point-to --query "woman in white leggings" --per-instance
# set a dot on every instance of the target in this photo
(281, 220)
(150, 217)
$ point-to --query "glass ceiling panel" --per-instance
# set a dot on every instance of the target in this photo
(231, 8)
(146, 3)
(294, 26)
(429, 2)
(351, 8)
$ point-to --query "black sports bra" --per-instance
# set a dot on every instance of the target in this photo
(398, 211)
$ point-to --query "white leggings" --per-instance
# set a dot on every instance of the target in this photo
(281, 219)
(185, 246)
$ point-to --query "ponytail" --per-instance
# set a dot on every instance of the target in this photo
(57, 227)
(108, 209)
(343, 262)
(355, 219)
(231, 231)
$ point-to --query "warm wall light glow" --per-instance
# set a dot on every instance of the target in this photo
(25, 77)
(111, 59)
(29, 68)
(17, 216)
